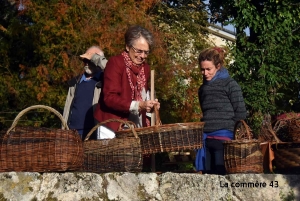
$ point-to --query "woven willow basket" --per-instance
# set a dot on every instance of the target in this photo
(168, 137)
(243, 155)
(294, 129)
(36, 149)
(112, 155)
(286, 155)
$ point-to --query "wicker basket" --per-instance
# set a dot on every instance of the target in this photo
(112, 155)
(286, 156)
(168, 137)
(294, 129)
(36, 149)
(243, 155)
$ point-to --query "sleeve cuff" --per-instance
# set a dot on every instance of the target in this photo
(134, 107)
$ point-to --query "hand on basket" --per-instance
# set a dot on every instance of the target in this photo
(148, 105)
(157, 104)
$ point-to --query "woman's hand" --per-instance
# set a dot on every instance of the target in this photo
(157, 103)
(148, 105)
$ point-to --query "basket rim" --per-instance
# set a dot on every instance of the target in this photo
(246, 141)
(131, 128)
(282, 145)
(274, 143)
(163, 127)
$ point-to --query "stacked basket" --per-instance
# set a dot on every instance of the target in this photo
(243, 154)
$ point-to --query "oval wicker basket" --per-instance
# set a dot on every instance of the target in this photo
(112, 155)
(167, 137)
(37, 149)
(286, 155)
(243, 155)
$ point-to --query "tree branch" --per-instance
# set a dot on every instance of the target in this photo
(296, 29)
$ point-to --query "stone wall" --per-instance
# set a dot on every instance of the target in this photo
(31, 186)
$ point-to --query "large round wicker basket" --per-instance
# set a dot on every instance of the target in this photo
(112, 155)
(38, 149)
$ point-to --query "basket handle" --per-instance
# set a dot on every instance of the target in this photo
(157, 117)
(246, 127)
(128, 122)
(111, 120)
(267, 127)
(270, 130)
(15, 122)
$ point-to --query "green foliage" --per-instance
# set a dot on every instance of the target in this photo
(289, 197)
(267, 62)
(184, 26)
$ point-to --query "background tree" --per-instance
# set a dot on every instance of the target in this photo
(267, 60)
(42, 41)
(184, 24)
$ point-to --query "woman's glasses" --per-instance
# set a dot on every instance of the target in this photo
(138, 51)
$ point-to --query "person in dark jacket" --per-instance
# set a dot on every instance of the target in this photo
(84, 92)
(222, 105)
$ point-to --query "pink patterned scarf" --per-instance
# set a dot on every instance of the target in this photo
(136, 76)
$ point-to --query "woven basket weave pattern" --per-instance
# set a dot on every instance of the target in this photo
(287, 155)
(40, 149)
(294, 130)
(243, 155)
(168, 137)
(115, 155)
(112, 155)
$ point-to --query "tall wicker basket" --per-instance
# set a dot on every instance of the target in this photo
(37, 149)
(112, 155)
(243, 155)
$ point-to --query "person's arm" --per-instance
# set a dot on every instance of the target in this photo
(99, 60)
(237, 101)
(113, 87)
(137, 106)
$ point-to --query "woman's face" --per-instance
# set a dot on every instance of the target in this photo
(208, 69)
(89, 67)
(139, 51)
